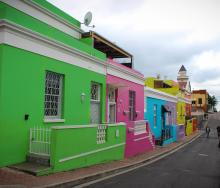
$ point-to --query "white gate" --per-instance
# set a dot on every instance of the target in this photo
(40, 141)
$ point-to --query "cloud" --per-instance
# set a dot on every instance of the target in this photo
(161, 34)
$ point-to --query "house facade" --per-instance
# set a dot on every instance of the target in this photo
(160, 111)
(52, 82)
(124, 95)
(200, 101)
(183, 105)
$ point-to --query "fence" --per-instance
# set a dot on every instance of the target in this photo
(166, 133)
(40, 141)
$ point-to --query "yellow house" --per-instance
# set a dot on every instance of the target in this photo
(199, 101)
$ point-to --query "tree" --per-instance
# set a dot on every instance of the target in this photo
(212, 101)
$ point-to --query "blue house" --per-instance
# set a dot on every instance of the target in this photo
(160, 111)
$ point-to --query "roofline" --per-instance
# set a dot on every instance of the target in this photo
(104, 40)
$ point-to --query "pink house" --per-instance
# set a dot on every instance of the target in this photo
(124, 95)
(125, 103)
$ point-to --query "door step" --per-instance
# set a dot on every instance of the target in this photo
(38, 159)
(32, 168)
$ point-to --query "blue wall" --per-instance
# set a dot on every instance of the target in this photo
(149, 115)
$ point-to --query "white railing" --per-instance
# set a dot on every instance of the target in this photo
(101, 134)
(139, 127)
(40, 141)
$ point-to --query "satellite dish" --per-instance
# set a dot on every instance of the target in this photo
(88, 18)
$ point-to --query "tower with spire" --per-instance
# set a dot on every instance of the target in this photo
(183, 79)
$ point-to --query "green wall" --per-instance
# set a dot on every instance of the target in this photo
(58, 12)
(22, 92)
(13, 15)
(65, 143)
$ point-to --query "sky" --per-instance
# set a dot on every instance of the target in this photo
(162, 35)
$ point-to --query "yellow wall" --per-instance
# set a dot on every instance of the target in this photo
(189, 127)
(181, 112)
(197, 96)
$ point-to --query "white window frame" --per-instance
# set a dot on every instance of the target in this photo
(111, 103)
(97, 101)
(60, 100)
(155, 115)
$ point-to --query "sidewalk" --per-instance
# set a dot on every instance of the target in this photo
(13, 178)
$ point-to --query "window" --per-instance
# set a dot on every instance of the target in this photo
(111, 105)
(199, 100)
(95, 103)
(132, 112)
(167, 116)
(53, 95)
(95, 92)
(155, 115)
(193, 102)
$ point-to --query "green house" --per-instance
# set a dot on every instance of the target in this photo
(52, 91)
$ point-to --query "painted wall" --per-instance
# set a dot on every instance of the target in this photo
(180, 132)
(58, 12)
(15, 16)
(169, 121)
(188, 109)
(204, 105)
(149, 115)
(194, 124)
(22, 84)
(189, 127)
(134, 143)
(181, 107)
(172, 108)
(66, 153)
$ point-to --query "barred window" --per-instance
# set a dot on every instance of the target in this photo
(132, 112)
(53, 95)
(95, 92)
(95, 103)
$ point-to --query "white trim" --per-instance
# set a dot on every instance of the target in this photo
(26, 39)
(44, 15)
(90, 152)
(153, 93)
(86, 126)
(74, 126)
(185, 100)
(116, 124)
(115, 70)
(142, 138)
(54, 120)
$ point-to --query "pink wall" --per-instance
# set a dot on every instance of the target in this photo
(134, 143)
(123, 97)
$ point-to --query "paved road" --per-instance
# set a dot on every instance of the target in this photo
(196, 165)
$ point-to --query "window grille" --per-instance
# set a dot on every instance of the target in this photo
(101, 134)
(53, 95)
(132, 112)
(95, 92)
(95, 103)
